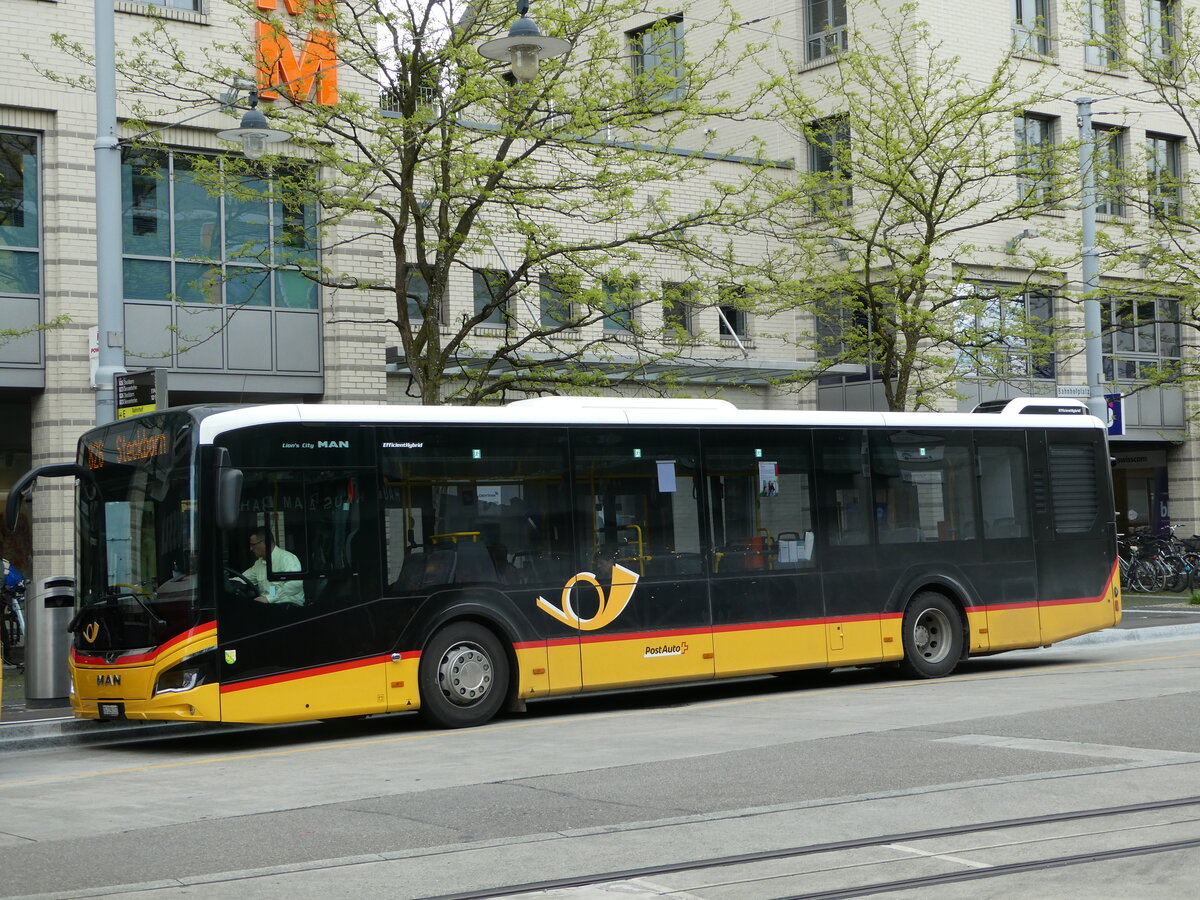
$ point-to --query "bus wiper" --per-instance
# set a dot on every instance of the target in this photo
(114, 594)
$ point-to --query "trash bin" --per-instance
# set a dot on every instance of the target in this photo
(48, 643)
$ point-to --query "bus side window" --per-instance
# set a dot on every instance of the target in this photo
(760, 500)
(638, 497)
(845, 486)
(923, 486)
(1003, 491)
(473, 505)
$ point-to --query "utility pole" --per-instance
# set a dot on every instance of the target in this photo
(110, 308)
(1092, 326)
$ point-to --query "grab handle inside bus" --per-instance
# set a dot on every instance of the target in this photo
(229, 492)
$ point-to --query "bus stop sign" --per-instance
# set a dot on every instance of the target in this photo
(140, 392)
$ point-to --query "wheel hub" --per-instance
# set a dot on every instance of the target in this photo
(465, 675)
(931, 634)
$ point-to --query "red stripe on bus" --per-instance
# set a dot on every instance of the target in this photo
(304, 673)
(198, 631)
(1034, 604)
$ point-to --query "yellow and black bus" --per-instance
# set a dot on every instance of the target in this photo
(289, 562)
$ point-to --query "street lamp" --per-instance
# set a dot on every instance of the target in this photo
(110, 310)
(254, 132)
(525, 46)
(1097, 405)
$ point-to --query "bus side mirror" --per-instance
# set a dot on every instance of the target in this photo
(229, 492)
(19, 491)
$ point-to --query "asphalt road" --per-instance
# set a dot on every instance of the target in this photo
(655, 779)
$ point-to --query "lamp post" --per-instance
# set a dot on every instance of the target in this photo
(110, 312)
(1092, 326)
(253, 133)
(525, 47)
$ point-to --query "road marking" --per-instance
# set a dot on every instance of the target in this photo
(1075, 748)
(969, 863)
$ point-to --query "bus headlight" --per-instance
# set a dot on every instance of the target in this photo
(192, 672)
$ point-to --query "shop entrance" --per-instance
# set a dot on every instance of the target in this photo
(1140, 490)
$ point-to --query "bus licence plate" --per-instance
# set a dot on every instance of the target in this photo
(112, 710)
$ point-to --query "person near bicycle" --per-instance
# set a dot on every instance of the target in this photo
(13, 579)
(12, 620)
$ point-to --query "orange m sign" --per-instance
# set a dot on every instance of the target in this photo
(310, 76)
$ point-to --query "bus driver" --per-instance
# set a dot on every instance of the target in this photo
(281, 561)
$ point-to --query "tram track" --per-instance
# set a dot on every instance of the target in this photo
(892, 840)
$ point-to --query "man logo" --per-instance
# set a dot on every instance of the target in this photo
(108, 680)
(91, 632)
(619, 595)
(333, 445)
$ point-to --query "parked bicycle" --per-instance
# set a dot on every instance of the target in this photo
(1151, 563)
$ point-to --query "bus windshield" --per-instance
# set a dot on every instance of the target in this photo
(137, 550)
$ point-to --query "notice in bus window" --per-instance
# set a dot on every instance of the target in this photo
(666, 476)
(768, 479)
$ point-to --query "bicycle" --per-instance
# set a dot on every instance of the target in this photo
(1142, 569)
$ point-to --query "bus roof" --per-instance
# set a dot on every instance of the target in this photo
(616, 411)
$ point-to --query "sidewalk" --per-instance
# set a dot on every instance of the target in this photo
(25, 725)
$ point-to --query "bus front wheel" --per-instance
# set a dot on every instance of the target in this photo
(933, 636)
(463, 676)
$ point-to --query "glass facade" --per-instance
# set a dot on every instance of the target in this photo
(1141, 338)
(194, 233)
(20, 270)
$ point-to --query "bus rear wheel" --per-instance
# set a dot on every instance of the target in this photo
(933, 636)
(463, 676)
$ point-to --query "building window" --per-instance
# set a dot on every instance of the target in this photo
(19, 229)
(657, 55)
(1103, 31)
(1160, 24)
(828, 159)
(555, 301)
(1014, 334)
(843, 330)
(618, 304)
(190, 5)
(1031, 26)
(255, 245)
(731, 312)
(679, 306)
(1108, 169)
(1141, 338)
(490, 300)
(824, 28)
(416, 290)
(1166, 186)
(1035, 158)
